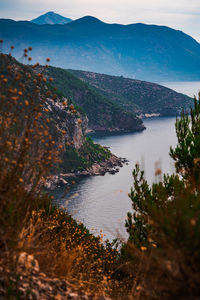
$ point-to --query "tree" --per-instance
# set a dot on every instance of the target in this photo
(165, 223)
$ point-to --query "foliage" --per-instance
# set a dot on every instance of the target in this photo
(73, 252)
(27, 148)
(85, 157)
(187, 153)
(165, 225)
(103, 114)
(31, 145)
(136, 96)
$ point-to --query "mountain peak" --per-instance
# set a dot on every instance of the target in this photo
(89, 20)
(51, 18)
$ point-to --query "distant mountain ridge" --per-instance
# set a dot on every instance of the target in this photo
(51, 18)
(146, 52)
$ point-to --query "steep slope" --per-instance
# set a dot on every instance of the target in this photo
(103, 115)
(139, 51)
(67, 125)
(51, 18)
(136, 96)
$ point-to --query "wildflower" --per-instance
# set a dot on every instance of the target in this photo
(79, 121)
(48, 59)
(73, 182)
(5, 80)
(30, 48)
(12, 47)
(51, 79)
(193, 222)
(26, 103)
(143, 248)
(46, 133)
(21, 180)
(29, 58)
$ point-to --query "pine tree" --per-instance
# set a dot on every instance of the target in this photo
(165, 223)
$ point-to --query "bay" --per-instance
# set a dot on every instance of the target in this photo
(102, 202)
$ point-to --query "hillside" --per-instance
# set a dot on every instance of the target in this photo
(146, 52)
(67, 123)
(103, 115)
(136, 96)
(51, 18)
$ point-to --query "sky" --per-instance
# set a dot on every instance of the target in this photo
(178, 14)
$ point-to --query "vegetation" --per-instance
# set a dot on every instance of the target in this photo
(29, 222)
(165, 225)
(88, 154)
(161, 258)
(139, 97)
(103, 114)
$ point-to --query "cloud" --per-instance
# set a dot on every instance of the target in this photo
(179, 14)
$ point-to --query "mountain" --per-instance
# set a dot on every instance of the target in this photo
(146, 52)
(51, 18)
(103, 114)
(140, 97)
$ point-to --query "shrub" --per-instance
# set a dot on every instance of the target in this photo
(27, 148)
(164, 229)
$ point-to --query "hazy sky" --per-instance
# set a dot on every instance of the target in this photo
(178, 14)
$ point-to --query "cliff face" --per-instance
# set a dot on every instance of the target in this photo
(66, 121)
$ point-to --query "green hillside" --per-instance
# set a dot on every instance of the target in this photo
(136, 96)
(103, 114)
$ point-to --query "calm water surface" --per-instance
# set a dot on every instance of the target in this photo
(102, 202)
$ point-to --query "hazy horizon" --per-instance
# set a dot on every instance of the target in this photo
(179, 14)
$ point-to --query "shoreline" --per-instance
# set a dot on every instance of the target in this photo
(112, 166)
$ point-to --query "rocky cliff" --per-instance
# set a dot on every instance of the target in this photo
(67, 123)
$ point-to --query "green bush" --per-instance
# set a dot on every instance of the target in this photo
(164, 229)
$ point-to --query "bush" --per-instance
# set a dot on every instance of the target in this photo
(28, 151)
(164, 230)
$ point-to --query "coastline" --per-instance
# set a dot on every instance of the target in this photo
(111, 166)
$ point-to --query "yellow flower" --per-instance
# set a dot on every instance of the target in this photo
(143, 248)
